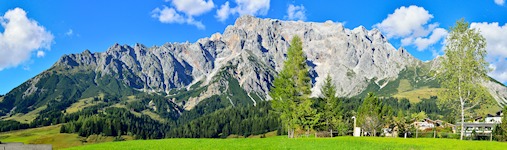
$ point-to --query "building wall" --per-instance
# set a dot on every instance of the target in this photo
(493, 119)
(21, 146)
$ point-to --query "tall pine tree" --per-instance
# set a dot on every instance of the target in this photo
(291, 90)
(330, 105)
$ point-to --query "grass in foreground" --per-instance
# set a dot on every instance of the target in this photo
(51, 135)
(282, 142)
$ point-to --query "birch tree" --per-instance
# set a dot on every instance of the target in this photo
(463, 69)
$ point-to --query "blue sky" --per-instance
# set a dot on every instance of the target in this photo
(35, 34)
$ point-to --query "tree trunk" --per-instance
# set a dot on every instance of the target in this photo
(462, 118)
(307, 132)
(331, 132)
(288, 132)
(291, 133)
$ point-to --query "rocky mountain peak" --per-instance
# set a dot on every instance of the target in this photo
(351, 57)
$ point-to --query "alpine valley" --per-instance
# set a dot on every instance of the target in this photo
(227, 73)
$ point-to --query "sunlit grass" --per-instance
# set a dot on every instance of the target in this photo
(416, 96)
(281, 142)
(51, 135)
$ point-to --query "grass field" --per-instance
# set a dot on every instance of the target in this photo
(281, 142)
(153, 116)
(82, 103)
(52, 135)
(28, 117)
(415, 96)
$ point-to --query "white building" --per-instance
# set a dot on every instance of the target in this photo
(496, 118)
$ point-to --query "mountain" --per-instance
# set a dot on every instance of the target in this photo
(236, 67)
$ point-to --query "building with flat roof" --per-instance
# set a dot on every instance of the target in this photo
(22, 146)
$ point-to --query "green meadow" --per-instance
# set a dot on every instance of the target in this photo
(51, 135)
(281, 142)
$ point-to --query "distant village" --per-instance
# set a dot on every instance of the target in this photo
(480, 127)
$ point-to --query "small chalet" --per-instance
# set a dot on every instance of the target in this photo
(495, 118)
(427, 124)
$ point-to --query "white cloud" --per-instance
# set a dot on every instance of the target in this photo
(223, 12)
(422, 43)
(20, 38)
(193, 7)
(243, 7)
(198, 24)
(496, 46)
(41, 54)
(405, 21)
(296, 12)
(411, 25)
(500, 2)
(169, 15)
(184, 13)
(69, 33)
(252, 7)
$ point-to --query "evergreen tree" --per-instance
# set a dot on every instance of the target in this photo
(369, 117)
(291, 90)
(331, 118)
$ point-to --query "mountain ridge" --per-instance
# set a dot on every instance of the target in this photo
(248, 53)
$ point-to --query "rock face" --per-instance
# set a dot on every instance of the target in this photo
(252, 51)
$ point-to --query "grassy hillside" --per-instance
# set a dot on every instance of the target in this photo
(26, 118)
(82, 103)
(301, 143)
(415, 96)
(52, 135)
(410, 79)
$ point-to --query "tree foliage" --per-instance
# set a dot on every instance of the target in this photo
(330, 108)
(500, 131)
(291, 90)
(369, 114)
(463, 69)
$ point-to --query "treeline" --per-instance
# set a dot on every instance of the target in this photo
(241, 121)
(211, 119)
(8, 125)
(116, 122)
(53, 114)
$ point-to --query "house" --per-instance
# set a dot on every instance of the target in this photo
(426, 124)
(495, 118)
(478, 128)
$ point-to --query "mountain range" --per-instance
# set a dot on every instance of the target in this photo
(236, 67)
